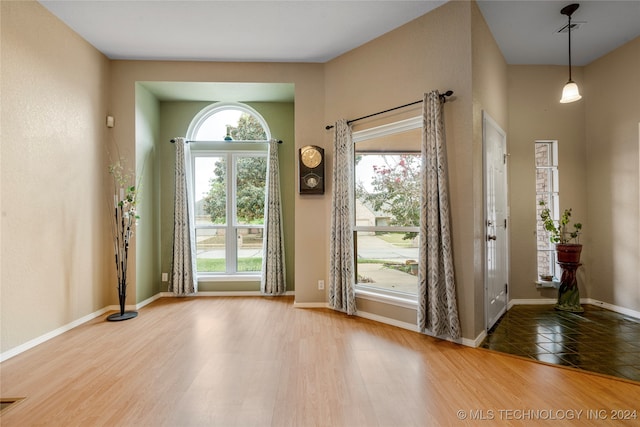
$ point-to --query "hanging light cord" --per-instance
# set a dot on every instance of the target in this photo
(570, 79)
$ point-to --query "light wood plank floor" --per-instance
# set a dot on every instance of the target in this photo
(260, 362)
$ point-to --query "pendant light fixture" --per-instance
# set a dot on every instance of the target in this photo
(570, 92)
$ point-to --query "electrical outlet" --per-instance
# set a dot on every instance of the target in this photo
(320, 285)
(165, 277)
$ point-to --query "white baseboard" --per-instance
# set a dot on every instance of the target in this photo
(532, 301)
(138, 306)
(311, 304)
(221, 294)
(147, 301)
(388, 321)
(393, 322)
(617, 309)
(591, 301)
(478, 340)
(414, 328)
(49, 335)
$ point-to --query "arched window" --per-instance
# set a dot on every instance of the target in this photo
(229, 165)
(226, 121)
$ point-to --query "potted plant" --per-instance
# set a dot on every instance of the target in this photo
(568, 248)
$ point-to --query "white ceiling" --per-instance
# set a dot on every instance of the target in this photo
(212, 30)
(526, 31)
(317, 31)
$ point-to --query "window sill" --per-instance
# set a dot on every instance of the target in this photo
(229, 278)
(543, 284)
(405, 301)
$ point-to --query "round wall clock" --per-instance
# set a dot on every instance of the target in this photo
(311, 170)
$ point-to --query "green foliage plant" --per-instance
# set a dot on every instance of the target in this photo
(396, 191)
(559, 231)
(251, 178)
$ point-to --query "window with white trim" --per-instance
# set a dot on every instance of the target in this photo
(229, 165)
(387, 210)
(546, 158)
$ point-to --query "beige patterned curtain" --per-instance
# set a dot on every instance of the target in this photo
(437, 306)
(342, 295)
(273, 280)
(183, 269)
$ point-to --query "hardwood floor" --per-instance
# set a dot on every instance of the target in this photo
(235, 361)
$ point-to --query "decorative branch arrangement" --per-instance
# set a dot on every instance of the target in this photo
(123, 221)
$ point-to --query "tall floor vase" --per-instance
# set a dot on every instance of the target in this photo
(124, 220)
(122, 227)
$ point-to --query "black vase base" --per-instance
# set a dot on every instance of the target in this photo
(116, 317)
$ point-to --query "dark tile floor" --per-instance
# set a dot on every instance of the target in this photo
(597, 340)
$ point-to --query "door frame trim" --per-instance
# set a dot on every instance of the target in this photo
(488, 120)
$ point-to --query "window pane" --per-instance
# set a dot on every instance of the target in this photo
(543, 237)
(231, 124)
(251, 175)
(544, 180)
(543, 154)
(546, 191)
(388, 260)
(249, 249)
(210, 190)
(387, 189)
(546, 263)
(210, 249)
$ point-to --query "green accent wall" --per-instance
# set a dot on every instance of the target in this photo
(175, 117)
(147, 239)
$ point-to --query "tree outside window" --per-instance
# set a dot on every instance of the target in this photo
(387, 220)
(230, 193)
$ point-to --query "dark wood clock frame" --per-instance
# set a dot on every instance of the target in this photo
(308, 175)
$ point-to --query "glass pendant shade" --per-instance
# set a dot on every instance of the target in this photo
(570, 93)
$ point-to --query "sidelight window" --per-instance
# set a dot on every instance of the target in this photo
(546, 158)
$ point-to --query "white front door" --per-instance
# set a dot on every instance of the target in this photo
(496, 220)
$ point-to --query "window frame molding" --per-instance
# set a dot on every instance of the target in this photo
(554, 194)
(362, 290)
(231, 151)
(217, 107)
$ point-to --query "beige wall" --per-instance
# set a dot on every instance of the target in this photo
(489, 77)
(56, 256)
(612, 104)
(57, 259)
(536, 114)
(147, 241)
(434, 51)
(599, 162)
(310, 222)
(175, 117)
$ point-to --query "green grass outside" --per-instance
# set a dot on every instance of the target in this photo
(372, 261)
(396, 239)
(217, 265)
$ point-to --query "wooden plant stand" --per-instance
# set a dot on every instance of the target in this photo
(568, 294)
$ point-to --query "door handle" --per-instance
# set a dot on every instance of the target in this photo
(490, 237)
